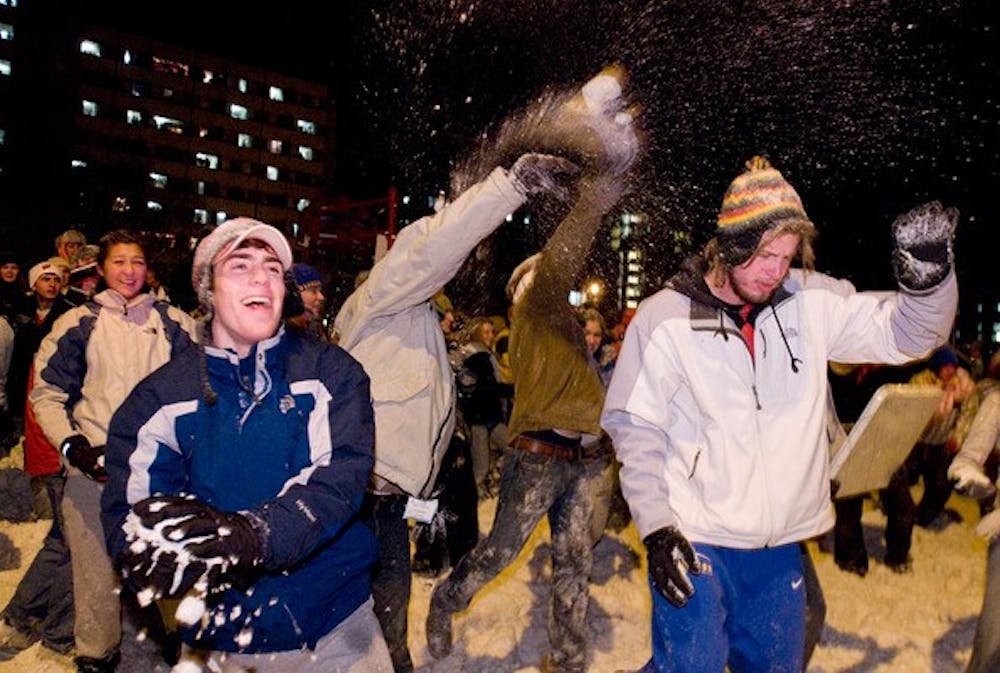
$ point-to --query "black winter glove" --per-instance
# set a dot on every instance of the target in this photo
(537, 173)
(176, 541)
(671, 558)
(922, 246)
(84, 457)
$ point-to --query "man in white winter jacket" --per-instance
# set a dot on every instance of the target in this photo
(717, 409)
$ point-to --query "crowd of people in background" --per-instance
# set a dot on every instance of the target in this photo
(251, 448)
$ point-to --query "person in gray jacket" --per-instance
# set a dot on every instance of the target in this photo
(389, 324)
(718, 412)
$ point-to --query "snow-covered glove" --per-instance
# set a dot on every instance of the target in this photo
(535, 173)
(671, 557)
(84, 457)
(173, 541)
(971, 482)
(989, 526)
(923, 251)
(611, 138)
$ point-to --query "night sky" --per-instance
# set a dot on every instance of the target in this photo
(868, 107)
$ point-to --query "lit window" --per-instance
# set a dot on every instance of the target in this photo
(78, 163)
(302, 204)
(127, 57)
(90, 47)
(238, 112)
(200, 187)
(90, 108)
(159, 180)
(6, 31)
(221, 217)
(274, 146)
(206, 160)
(306, 152)
(4, 67)
(3, 136)
(272, 172)
(306, 126)
(133, 117)
(244, 140)
(153, 205)
(276, 93)
(168, 124)
(166, 65)
(242, 85)
(200, 216)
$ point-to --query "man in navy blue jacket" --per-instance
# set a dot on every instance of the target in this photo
(236, 474)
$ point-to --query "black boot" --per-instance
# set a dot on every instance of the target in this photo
(105, 664)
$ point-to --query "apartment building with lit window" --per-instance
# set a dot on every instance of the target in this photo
(8, 15)
(168, 138)
(102, 129)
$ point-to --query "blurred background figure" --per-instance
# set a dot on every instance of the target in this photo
(69, 243)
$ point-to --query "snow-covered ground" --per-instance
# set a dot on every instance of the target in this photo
(921, 622)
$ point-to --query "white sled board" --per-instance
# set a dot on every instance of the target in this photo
(880, 440)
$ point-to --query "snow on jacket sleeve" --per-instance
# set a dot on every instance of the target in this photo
(428, 253)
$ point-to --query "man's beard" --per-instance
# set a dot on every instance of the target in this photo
(745, 295)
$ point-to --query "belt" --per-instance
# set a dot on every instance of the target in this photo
(537, 446)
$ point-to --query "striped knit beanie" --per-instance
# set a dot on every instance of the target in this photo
(755, 202)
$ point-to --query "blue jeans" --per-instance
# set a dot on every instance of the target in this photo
(533, 486)
(42, 605)
(747, 612)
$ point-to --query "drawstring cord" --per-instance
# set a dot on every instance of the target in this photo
(781, 331)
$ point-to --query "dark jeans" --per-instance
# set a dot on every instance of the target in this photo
(42, 604)
(391, 573)
(533, 486)
(925, 460)
(458, 503)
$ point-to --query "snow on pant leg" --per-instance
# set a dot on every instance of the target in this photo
(391, 573)
(353, 646)
(528, 487)
(986, 643)
(692, 639)
(570, 522)
(97, 626)
(815, 606)
(765, 609)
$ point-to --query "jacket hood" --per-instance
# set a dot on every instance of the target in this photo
(690, 281)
